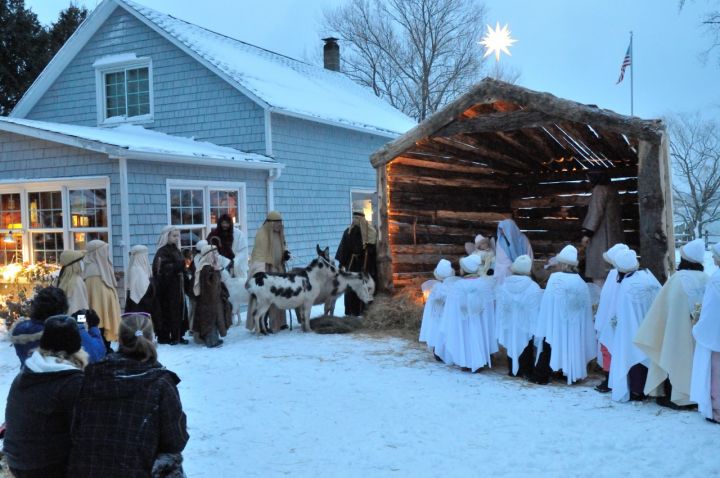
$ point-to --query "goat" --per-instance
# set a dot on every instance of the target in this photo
(289, 290)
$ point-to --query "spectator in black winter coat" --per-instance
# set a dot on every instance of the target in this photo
(40, 403)
(25, 334)
(128, 414)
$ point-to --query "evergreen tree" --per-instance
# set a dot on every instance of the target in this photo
(67, 23)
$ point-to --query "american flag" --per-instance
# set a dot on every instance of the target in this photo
(627, 61)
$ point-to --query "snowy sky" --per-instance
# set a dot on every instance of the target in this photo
(570, 48)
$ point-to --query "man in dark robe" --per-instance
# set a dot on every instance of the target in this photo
(352, 254)
(168, 273)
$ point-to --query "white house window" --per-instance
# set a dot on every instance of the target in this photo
(39, 220)
(366, 200)
(195, 207)
(124, 89)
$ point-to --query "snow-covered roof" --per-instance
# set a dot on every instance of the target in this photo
(136, 142)
(285, 84)
(278, 83)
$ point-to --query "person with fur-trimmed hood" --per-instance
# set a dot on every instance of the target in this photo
(25, 334)
(41, 400)
(128, 416)
(231, 243)
(666, 337)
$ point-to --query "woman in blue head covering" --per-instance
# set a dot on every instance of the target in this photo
(511, 244)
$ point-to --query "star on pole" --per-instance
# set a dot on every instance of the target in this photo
(497, 40)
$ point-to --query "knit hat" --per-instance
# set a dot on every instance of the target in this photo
(716, 250)
(470, 264)
(626, 261)
(694, 251)
(274, 216)
(522, 265)
(443, 270)
(60, 335)
(568, 255)
(610, 254)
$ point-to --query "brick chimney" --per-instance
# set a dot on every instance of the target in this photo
(331, 54)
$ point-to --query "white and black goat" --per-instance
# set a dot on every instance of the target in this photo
(294, 290)
(362, 284)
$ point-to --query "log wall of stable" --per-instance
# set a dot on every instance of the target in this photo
(431, 212)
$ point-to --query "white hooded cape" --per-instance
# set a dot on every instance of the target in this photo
(633, 300)
(430, 331)
(665, 335)
(565, 321)
(517, 303)
(605, 312)
(469, 323)
(707, 341)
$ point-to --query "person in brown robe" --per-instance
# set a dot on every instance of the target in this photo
(212, 318)
(270, 254)
(168, 274)
(102, 288)
(602, 227)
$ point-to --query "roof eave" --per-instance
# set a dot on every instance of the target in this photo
(363, 129)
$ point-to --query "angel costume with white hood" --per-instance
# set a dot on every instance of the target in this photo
(517, 303)
(468, 319)
(705, 383)
(432, 312)
(606, 309)
(565, 322)
(636, 292)
(665, 335)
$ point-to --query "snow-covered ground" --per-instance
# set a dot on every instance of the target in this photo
(355, 405)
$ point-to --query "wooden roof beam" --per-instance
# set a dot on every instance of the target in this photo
(497, 122)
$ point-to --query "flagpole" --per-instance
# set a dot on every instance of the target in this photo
(632, 69)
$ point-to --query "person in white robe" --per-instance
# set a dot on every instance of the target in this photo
(705, 382)
(517, 303)
(468, 318)
(565, 323)
(139, 295)
(483, 248)
(605, 310)
(665, 335)
(637, 289)
(434, 291)
(511, 244)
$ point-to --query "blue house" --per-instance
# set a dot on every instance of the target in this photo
(143, 120)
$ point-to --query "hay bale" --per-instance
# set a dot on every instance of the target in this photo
(400, 311)
(335, 325)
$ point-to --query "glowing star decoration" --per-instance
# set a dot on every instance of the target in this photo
(497, 40)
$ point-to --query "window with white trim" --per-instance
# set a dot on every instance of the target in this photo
(38, 220)
(124, 90)
(196, 206)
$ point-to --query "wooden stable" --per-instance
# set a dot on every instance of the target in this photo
(502, 151)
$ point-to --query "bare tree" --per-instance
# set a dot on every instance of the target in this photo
(417, 54)
(695, 154)
(711, 24)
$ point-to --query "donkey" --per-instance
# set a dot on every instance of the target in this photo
(289, 290)
(362, 284)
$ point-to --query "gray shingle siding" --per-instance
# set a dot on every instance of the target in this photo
(190, 100)
(322, 164)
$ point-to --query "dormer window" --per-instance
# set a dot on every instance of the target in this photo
(124, 89)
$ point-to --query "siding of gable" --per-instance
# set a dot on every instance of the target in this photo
(147, 188)
(322, 164)
(190, 100)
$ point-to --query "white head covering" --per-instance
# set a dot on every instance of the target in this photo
(200, 244)
(208, 256)
(478, 239)
(470, 264)
(716, 250)
(164, 233)
(610, 254)
(138, 272)
(522, 265)
(443, 270)
(97, 263)
(568, 255)
(694, 251)
(626, 261)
